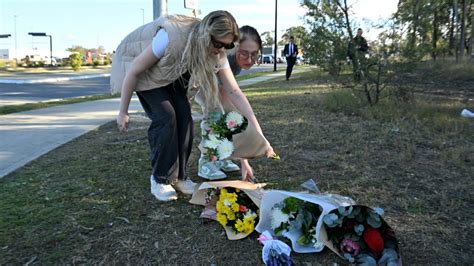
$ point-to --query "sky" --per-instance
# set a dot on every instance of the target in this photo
(94, 23)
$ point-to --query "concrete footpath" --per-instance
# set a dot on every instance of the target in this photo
(26, 136)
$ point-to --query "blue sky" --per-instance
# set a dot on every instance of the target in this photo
(91, 23)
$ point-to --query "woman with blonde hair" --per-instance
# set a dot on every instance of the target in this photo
(159, 61)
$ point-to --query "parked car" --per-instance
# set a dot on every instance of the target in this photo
(267, 59)
(299, 60)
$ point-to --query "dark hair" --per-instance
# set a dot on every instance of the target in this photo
(248, 32)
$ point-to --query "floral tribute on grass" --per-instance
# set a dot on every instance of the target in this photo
(234, 204)
(296, 216)
(236, 210)
(217, 143)
(274, 251)
(360, 235)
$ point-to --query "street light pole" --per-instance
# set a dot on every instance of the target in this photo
(143, 16)
(50, 50)
(160, 8)
(42, 34)
(276, 46)
(16, 53)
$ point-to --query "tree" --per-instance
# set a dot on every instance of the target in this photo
(267, 39)
(298, 32)
(76, 61)
(78, 49)
(462, 39)
(326, 42)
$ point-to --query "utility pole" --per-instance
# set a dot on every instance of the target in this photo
(276, 45)
(160, 8)
(16, 47)
(143, 16)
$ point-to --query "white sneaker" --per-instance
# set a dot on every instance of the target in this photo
(185, 186)
(229, 166)
(209, 170)
(162, 192)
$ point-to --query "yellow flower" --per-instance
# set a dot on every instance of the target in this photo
(222, 219)
(235, 207)
(239, 226)
(231, 215)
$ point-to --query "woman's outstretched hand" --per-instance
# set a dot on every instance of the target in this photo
(122, 121)
(247, 171)
(270, 153)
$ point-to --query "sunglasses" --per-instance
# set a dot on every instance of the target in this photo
(218, 45)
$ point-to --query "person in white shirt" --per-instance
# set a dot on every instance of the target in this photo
(290, 51)
(170, 134)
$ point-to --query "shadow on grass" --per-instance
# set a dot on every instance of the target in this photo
(88, 201)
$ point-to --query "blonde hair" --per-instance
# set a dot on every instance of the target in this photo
(197, 57)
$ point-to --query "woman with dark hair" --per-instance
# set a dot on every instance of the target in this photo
(243, 56)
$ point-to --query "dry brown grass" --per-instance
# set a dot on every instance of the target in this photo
(88, 201)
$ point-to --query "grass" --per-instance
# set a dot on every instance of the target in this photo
(9, 109)
(88, 201)
(254, 75)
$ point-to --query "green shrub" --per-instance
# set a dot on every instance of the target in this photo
(106, 61)
(96, 62)
(76, 61)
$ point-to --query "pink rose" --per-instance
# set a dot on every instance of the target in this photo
(350, 246)
(213, 158)
(231, 124)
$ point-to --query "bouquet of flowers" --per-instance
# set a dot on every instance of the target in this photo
(216, 148)
(217, 144)
(296, 216)
(226, 125)
(360, 235)
(236, 210)
(274, 252)
(234, 204)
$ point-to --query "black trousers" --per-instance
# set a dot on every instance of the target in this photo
(170, 134)
(290, 62)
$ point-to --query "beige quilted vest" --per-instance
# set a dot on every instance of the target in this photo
(167, 69)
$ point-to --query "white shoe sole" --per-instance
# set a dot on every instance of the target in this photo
(175, 197)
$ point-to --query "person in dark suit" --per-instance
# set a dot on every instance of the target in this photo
(290, 51)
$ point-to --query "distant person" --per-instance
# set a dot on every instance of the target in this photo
(158, 61)
(357, 45)
(243, 56)
(290, 51)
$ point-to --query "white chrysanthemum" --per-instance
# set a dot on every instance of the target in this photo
(227, 202)
(212, 142)
(251, 214)
(236, 117)
(278, 217)
(225, 149)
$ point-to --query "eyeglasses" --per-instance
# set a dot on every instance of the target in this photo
(218, 45)
(246, 54)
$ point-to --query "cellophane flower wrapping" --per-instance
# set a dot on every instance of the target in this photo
(360, 235)
(305, 241)
(274, 251)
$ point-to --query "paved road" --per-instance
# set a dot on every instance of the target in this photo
(11, 94)
(14, 93)
(27, 135)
